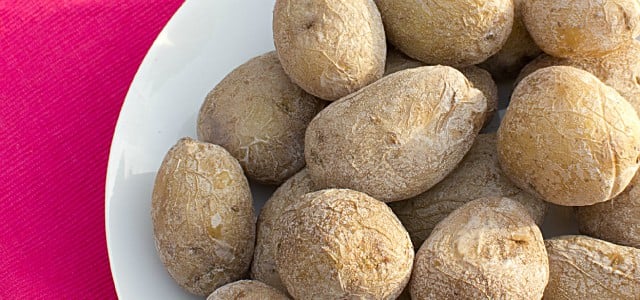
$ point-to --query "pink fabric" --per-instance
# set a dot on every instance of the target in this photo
(66, 67)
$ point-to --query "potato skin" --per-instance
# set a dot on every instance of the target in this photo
(342, 244)
(489, 248)
(263, 267)
(203, 219)
(619, 69)
(397, 137)
(260, 117)
(247, 290)
(516, 52)
(586, 268)
(457, 33)
(581, 28)
(478, 175)
(569, 138)
(616, 221)
(330, 48)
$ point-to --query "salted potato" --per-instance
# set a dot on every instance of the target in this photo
(458, 33)
(580, 28)
(619, 69)
(482, 80)
(478, 175)
(330, 48)
(247, 290)
(397, 137)
(569, 138)
(516, 52)
(489, 248)
(203, 219)
(342, 244)
(263, 267)
(260, 117)
(587, 268)
(616, 221)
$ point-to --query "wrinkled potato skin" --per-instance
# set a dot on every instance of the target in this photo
(457, 33)
(516, 52)
(619, 69)
(197, 185)
(263, 267)
(397, 137)
(247, 290)
(581, 28)
(616, 221)
(568, 138)
(260, 117)
(586, 268)
(330, 48)
(342, 244)
(478, 175)
(489, 248)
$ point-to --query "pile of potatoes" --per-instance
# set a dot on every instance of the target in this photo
(368, 116)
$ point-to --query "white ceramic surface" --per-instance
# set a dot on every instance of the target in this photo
(204, 41)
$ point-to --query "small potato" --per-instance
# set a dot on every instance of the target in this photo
(458, 33)
(203, 219)
(478, 175)
(342, 244)
(585, 268)
(397, 137)
(247, 290)
(619, 69)
(260, 117)
(569, 138)
(581, 28)
(516, 52)
(489, 248)
(330, 48)
(263, 267)
(616, 221)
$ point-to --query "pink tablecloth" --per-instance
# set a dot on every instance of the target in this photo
(66, 67)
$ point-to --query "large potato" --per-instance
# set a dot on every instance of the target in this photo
(458, 33)
(478, 175)
(585, 268)
(247, 290)
(616, 221)
(330, 48)
(260, 117)
(489, 248)
(397, 137)
(619, 69)
(342, 244)
(203, 220)
(569, 138)
(516, 52)
(579, 28)
(263, 267)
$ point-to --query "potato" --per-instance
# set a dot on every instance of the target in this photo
(247, 290)
(397, 61)
(569, 138)
(619, 69)
(342, 244)
(203, 219)
(458, 33)
(263, 267)
(397, 137)
(587, 268)
(581, 28)
(616, 221)
(478, 175)
(489, 248)
(260, 117)
(330, 48)
(516, 52)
